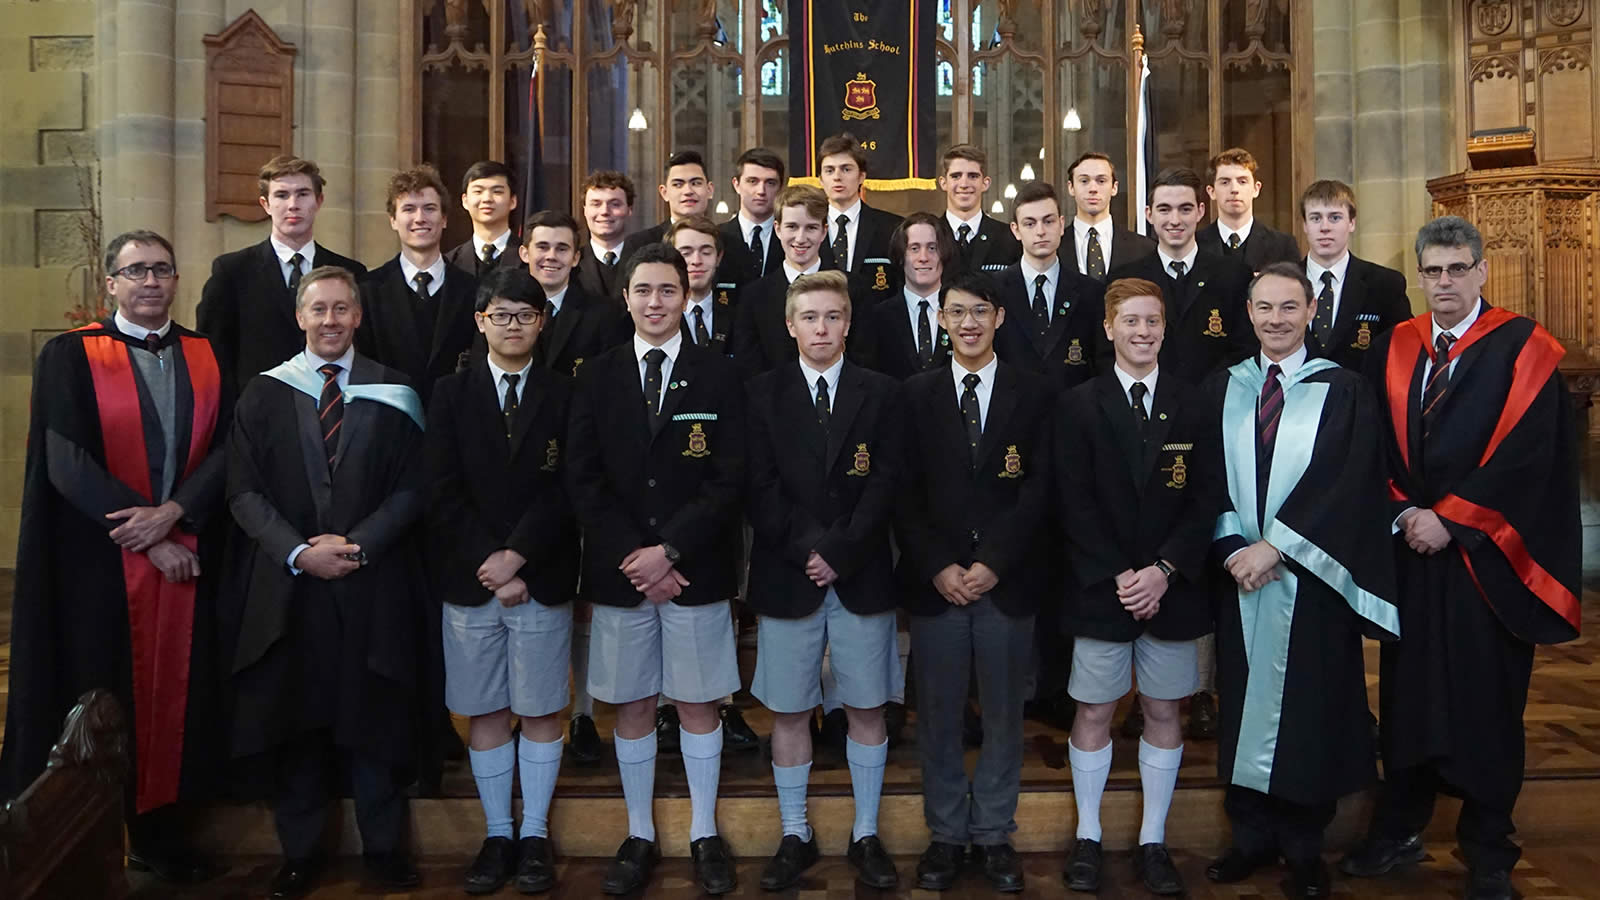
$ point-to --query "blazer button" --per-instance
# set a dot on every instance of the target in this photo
(652, 521)
(651, 482)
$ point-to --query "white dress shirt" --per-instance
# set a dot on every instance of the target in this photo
(1243, 232)
(498, 375)
(308, 253)
(137, 331)
(914, 309)
(973, 224)
(500, 244)
(746, 225)
(984, 388)
(435, 270)
(1052, 279)
(1289, 364)
(670, 348)
(1080, 241)
(1128, 381)
(553, 301)
(1314, 272)
(600, 249)
(851, 230)
(792, 273)
(830, 375)
(1187, 260)
(704, 305)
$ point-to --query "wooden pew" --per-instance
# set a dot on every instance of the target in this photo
(62, 836)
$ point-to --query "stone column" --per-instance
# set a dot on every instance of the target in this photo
(326, 101)
(197, 241)
(379, 107)
(136, 127)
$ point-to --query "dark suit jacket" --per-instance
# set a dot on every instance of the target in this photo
(1372, 302)
(724, 313)
(586, 327)
(1126, 247)
(883, 339)
(760, 338)
(825, 490)
(873, 274)
(637, 483)
(247, 310)
(1207, 327)
(739, 265)
(655, 234)
(595, 277)
(1263, 246)
(426, 344)
(1075, 346)
(465, 259)
(993, 248)
(488, 491)
(997, 512)
(1130, 499)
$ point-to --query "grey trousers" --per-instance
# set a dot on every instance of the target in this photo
(950, 647)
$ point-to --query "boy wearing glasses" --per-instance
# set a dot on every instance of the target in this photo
(970, 526)
(506, 545)
(1483, 490)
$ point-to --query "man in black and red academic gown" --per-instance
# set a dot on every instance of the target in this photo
(1302, 535)
(122, 486)
(1484, 493)
(324, 620)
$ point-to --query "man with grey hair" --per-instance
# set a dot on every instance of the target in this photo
(324, 619)
(122, 488)
(1483, 491)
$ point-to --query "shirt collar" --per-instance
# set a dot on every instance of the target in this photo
(1460, 329)
(134, 330)
(831, 374)
(284, 251)
(746, 223)
(1081, 229)
(793, 273)
(1188, 261)
(495, 372)
(853, 213)
(704, 303)
(1127, 381)
(956, 222)
(1051, 275)
(913, 298)
(1315, 269)
(500, 243)
(436, 270)
(1289, 364)
(1243, 232)
(985, 374)
(559, 297)
(671, 347)
(343, 362)
(601, 249)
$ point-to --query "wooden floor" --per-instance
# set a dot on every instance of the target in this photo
(1566, 870)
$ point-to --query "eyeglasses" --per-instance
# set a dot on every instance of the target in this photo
(1455, 270)
(979, 313)
(136, 272)
(525, 317)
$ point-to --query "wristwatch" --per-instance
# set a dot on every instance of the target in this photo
(672, 553)
(1165, 569)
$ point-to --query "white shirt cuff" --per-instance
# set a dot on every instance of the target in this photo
(293, 555)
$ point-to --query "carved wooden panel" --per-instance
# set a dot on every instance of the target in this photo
(1529, 66)
(249, 113)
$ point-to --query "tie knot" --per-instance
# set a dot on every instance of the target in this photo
(822, 385)
(1040, 280)
(330, 371)
(489, 253)
(297, 260)
(922, 306)
(422, 279)
(1444, 342)
(964, 230)
(698, 312)
(755, 233)
(1138, 390)
(611, 258)
(1274, 370)
(1327, 278)
(655, 356)
(971, 381)
(1233, 241)
(511, 380)
(842, 221)
(1178, 267)
(152, 342)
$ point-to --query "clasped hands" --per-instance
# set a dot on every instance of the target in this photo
(498, 575)
(144, 529)
(1141, 591)
(329, 557)
(961, 586)
(652, 574)
(1254, 566)
(1424, 532)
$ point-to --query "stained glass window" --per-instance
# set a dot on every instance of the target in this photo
(945, 75)
(773, 81)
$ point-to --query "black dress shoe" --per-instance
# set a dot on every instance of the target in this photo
(894, 721)
(793, 858)
(295, 878)
(1490, 886)
(939, 866)
(713, 865)
(631, 867)
(1154, 865)
(1307, 878)
(1202, 716)
(394, 871)
(1379, 856)
(536, 868)
(1083, 866)
(1237, 865)
(1133, 723)
(176, 866)
(737, 735)
(668, 739)
(873, 866)
(583, 741)
(1000, 864)
(971, 726)
(497, 859)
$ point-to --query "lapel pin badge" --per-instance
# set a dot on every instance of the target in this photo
(1162, 417)
(1200, 284)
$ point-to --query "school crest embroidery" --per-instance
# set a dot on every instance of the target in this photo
(552, 455)
(575, 364)
(862, 465)
(1013, 463)
(722, 298)
(697, 442)
(1075, 353)
(1179, 472)
(880, 281)
(1363, 336)
(860, 98)
(1214, 325)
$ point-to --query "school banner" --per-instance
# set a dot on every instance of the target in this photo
(866, 67)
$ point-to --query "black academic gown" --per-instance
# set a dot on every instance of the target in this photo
(1453, 691)
(76, 591)
(424, 341)
(307, 654)
(247, 310)
(1074, 347)
(1263, 247)
(1304, 737)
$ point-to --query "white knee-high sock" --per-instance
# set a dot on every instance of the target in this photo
(866, 783)
(1089, 773)
(491, 769)
(1158, 775)
(582, 703)
(702, 762)
(636, 760)
(792, 782)
(539, 764)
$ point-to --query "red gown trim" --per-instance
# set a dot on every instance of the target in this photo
(160, 615)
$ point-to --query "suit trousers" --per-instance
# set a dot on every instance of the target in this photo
(309, 767)
(962, 641)
(1483, 830)
(1263, 823)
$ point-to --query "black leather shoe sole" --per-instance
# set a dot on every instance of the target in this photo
(1405, 855)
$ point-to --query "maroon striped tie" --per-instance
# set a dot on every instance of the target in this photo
(330, 410)
(1269, 411)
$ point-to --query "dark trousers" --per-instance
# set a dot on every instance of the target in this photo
(1263, 824)
(160, 831)
(1483, 830)
(962, 641)
(308, 783)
